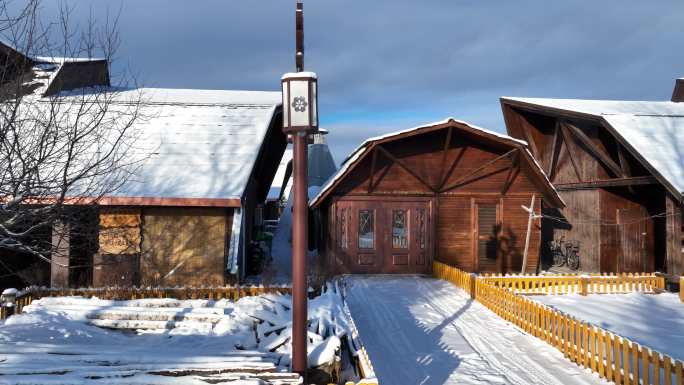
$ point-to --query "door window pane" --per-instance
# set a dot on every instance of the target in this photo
(399, 227)
(366, 230)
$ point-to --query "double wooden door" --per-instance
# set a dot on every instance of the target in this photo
(383, 236)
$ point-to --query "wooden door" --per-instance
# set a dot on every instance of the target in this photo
(373, 236)
(358, 249)
(632, 230)
(487, 228)
(406, 237)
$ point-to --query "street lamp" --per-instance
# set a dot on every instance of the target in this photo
(300, 102)
(300, 119)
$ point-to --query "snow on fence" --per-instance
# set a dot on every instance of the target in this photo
(25, 297)
(613, 357)
(579, 284)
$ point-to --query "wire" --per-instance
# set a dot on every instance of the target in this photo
(600, 222)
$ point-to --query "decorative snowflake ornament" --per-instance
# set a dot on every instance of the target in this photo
(299, 104)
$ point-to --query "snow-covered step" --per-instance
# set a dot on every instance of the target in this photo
(127, 309)
(153, 316)
(202, 327)
(141, 303)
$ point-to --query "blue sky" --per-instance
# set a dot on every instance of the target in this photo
(388, 65)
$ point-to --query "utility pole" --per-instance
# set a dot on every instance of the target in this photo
(300, 119)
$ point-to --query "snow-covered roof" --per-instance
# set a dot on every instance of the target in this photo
(196, 144)
(361, 150)
(202, 143)
(653, 130)
(62, 60)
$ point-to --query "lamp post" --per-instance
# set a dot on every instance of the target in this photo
(300, 119)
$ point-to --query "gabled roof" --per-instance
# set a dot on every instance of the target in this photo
(365, 148)
(652, 131)
(200, 144)
(188, 147)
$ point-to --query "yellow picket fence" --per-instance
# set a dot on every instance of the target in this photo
(129, 293)
(181, 293)
(580, 284)
(613, 357)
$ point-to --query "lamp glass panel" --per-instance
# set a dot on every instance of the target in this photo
(286, 108)
(299, 103)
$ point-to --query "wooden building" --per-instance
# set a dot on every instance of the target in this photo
(203, 161)
(619, 166)
(447, 191)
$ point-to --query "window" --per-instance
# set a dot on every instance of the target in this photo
(366, 230)
(420, 219)
(343, 229)
(487, 229)
(399, 233)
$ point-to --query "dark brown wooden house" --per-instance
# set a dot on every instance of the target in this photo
(188, 214)
(447, 191)
(619, 167)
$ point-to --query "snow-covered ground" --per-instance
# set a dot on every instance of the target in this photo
(421, 330)
(653, 320)
(75, 340)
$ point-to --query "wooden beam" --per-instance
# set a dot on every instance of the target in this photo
(372, 171)
(477, 170)
(566, 140)
(445, 151)
(624, 166)
(594, 150)
(405, 167)
(513, 172)
(165, 201)
(524, 124)
(555, 151)
(602, 183)
(458, 158)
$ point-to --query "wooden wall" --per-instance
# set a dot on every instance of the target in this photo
(184, 247)
(613, 223)
(457, 233)
(419, 167)
(579, 222)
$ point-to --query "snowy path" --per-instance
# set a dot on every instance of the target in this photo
(425, 331)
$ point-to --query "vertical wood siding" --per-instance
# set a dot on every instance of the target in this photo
(184, 246)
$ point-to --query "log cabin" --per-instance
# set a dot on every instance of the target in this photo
(446, 191)
(205, 160)
(619, 166)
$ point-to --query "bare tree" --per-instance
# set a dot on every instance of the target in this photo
(66, 139)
